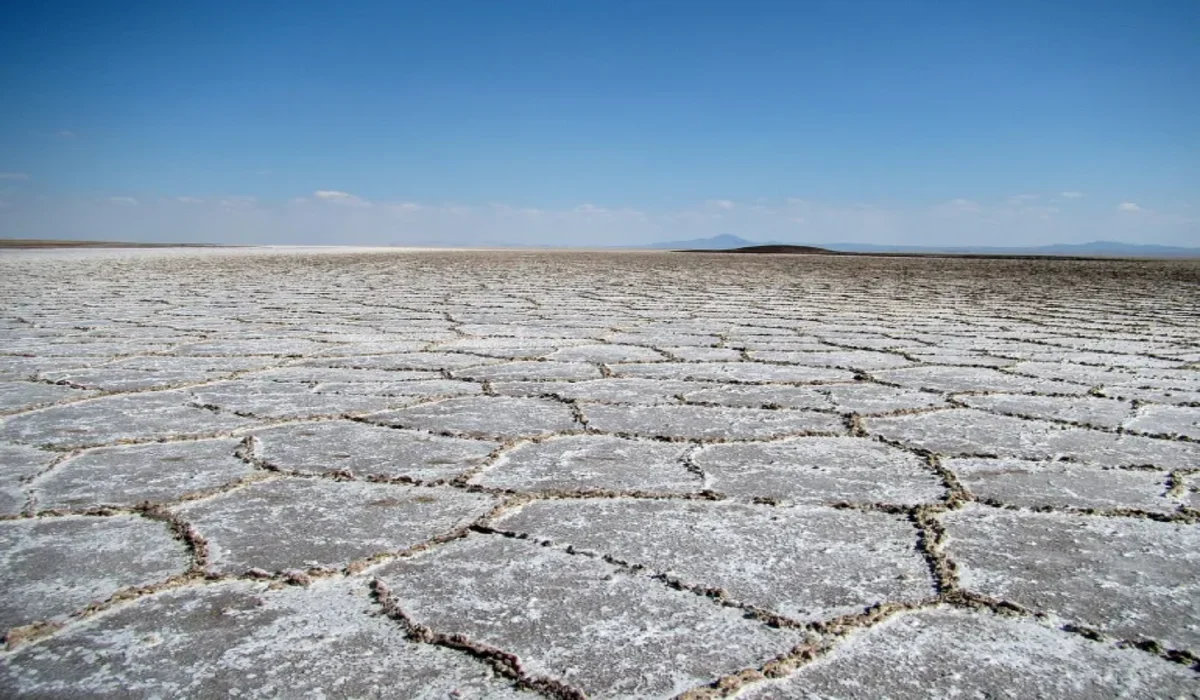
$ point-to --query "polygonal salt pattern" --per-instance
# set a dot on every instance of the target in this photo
(948, 653)
(127, 476)
(803, 563)
(485, 417)
(606, 353)
(1127, 577)
(820, 470)
(18, 465)
(704, 422)
(308, 523)
(242, 640)
(368, 450)
(527, 370)
(404, 361)
(864, 360)
(1036, 484)
(20, 396)
(1176, 421)
(969, 432)
(747, 372)
(592, 463)
(619, 391)
(1080, 410)
(50, 567)
(761, 396)
(267, 399)
(867, 399)
(579, 620)
(955, 379)
(112, 419)
(966, 477)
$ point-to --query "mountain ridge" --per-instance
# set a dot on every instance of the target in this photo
(728, 241)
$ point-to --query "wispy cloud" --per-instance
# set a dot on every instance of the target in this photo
(1072, 195)
(65, 134)
(237, 202)
(338, 197)
(341, 217)
(14, 176)
(721, 204)
(956, 207)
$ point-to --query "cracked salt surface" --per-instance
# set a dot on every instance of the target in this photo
(41, 571)
(241, 640)
(954, 653)
(486, 417)
(110, 419)
(127, 476)
(968, 431)
(367, 473)
(1126, 577)
(307, 523)
(19, 464)
(1032, 484)
(599, 629)
(592, 463)
(821, 470)
(803, 563)
(703, 422)
(368, 450)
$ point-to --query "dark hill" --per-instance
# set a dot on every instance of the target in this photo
(772, 248)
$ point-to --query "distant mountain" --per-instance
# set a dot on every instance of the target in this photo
(1103, 249)
(771, 248)
(1110, 249)
(721, 242)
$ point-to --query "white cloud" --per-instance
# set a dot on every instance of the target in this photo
(237, 202)
(337, 197)
(314, 219)
(64, 134)
(14, 176)
(1072, 195)
(1020, 199)
(721, 204)
(1129, 206)
(955, 207)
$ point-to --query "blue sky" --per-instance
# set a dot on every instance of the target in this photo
(602, 123)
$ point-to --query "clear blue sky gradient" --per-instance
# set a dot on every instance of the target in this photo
(602, 122)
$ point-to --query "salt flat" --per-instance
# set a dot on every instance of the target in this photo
(456, 474)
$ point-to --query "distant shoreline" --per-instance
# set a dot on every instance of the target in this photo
(55, 243)
(767, 249)
(813, 250)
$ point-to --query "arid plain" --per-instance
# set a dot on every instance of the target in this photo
(439, 474)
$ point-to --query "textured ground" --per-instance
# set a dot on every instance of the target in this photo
(454, 475)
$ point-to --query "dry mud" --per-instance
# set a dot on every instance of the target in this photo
(272, 473)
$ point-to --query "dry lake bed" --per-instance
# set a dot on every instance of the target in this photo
(437, 474)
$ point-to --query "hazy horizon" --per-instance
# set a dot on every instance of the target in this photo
(596, 124)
